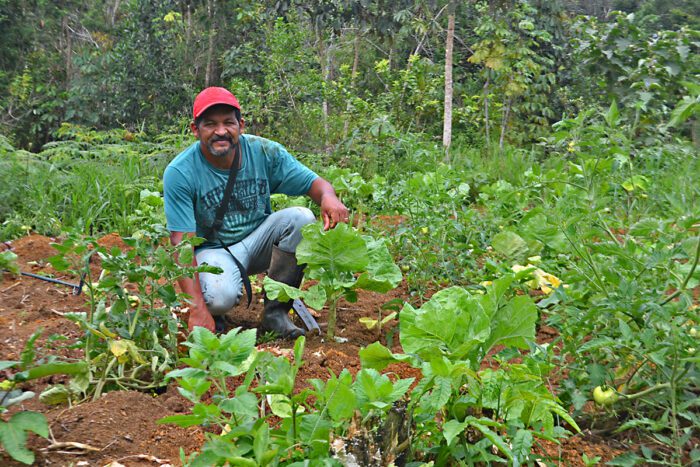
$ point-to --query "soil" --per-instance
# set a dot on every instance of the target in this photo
(121, 426)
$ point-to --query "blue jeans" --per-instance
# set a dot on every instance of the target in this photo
(282, 229)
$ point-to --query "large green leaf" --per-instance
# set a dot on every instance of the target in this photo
(31, 421)
(337, 250)
(510, 245)
(452, 428)
(340, 398)
(513, 324)
(452, 322)
(382, 273)
(379, 357)
(13, 434)
(314, 296)
(436, 399)
(238, 346)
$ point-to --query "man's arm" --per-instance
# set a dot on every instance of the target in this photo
(333, 210)
(199, 315)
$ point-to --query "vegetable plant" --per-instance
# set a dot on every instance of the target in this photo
(342, 261)
(460, 410)
(131, 331)
(244, 433)
(13, 431)
(8, 262)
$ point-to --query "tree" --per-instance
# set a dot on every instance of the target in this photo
(449, 43)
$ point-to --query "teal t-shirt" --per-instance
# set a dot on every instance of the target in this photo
(193, 188)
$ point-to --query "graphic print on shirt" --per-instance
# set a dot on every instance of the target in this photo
(248, 196)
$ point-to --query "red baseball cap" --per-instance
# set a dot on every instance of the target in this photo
(213, 96)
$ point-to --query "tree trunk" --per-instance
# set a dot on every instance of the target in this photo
(209, 73)
(504, 123)
(68, 51)
(486, 111)
(325, 71)
(188, 27)
(112, 10)
(447, 118)
(353, 77)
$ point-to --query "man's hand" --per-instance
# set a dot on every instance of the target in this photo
(333, 210)
(200, 317)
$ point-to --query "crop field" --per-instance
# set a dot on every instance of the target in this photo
(548, 314)
(523, 292)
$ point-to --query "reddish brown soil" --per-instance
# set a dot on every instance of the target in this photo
(121, 425)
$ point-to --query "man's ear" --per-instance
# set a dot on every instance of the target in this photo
(194, 129)
(241, 123)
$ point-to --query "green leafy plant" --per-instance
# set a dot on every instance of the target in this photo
(342, 261)
(131, 332)
(245, 433)
(13, 431)
(460, 410)
(8, 262)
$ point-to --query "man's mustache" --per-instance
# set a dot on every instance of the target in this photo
(222, 138)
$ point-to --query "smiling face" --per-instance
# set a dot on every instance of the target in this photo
(218, 131)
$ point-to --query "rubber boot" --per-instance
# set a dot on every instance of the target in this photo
(283, 268)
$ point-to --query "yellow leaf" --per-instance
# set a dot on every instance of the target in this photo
(369, 323)
(134, 353)
(118, 348)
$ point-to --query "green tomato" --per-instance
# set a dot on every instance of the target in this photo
(605, 397)
(693, 332)
(405, 267)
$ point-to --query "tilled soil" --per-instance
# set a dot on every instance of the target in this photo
(121, 426)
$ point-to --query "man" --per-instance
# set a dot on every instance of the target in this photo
(195, 183)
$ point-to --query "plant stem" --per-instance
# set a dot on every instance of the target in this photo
(100, 384)
(649, 390)
(330, 333)
(674, 402)
(687, 277)
(294, 418)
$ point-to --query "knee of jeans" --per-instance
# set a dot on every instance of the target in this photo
(219, 300)
(303, 216)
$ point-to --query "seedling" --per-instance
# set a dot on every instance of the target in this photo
(342, 261)
(13, 432)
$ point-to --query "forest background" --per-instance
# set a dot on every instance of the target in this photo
(332, 75)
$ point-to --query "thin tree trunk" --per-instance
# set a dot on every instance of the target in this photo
(325, 71)
(447, 118)
(68, 51)
(353, 78)
(115, 9)
(209, 73)
(504, 123)
(188, 28)
(486, 111)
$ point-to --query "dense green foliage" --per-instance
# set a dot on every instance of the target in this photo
(318, 73)
(569, 198)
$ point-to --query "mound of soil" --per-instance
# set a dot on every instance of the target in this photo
(121, 427)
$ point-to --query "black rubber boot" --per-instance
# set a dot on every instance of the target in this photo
(283, 268)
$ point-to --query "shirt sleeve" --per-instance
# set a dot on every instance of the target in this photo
(288, 175)
(179, 202)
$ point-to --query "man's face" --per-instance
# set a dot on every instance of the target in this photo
(218, 131)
